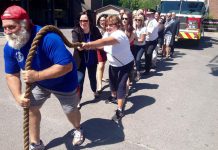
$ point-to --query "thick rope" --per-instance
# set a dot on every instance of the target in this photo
(35, 43)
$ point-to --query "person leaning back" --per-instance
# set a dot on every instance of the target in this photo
(53, 71)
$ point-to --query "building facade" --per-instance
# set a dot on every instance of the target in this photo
(213, 8)
(62, 13)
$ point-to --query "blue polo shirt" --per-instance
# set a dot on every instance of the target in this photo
(50, 51)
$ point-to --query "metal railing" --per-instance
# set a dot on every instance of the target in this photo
(210, 25)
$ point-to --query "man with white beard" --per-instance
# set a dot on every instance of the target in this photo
(53, 71)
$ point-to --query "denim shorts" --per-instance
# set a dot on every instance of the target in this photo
(68, 100)
(167, 39)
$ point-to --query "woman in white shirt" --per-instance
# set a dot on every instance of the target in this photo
(116, 45)
(139, 42)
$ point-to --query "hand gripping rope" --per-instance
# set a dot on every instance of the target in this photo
(36, 40)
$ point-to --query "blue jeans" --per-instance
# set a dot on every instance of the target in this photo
(139, 52)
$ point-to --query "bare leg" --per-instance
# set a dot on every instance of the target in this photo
(167, 51)
(100, 72)
(34, 124)
(120, 103)
(74, 117)
(164, 51)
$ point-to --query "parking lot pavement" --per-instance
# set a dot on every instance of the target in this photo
(173, 108)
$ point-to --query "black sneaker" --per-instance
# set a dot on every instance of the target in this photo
(39, 146)
(118, 115)
(111, 99)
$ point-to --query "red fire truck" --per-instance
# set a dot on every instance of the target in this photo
(191, 14)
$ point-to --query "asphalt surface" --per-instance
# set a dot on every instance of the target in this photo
(173, 108)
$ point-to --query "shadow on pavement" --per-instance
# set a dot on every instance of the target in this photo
(138, 102)
(202, 44)
(178, 54)
(98, 131)
(102, 131)
(103, 96)
(162, 65)
(165, 65)
(141, 86)
(66, 139)
(213, 65)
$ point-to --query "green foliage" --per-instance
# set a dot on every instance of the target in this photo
(136, 4)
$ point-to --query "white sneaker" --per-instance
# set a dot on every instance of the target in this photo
(39, 146)
(78, 138)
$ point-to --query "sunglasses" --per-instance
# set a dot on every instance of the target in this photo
(138, 20)
(124, 18)
(83, 21)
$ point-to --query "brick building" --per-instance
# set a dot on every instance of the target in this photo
(213, 8)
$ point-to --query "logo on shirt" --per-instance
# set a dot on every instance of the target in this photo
(19, 56)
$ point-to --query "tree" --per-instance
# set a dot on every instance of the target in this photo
(136, 4)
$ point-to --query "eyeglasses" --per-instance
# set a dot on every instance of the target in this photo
(83, 21)
(124, 18)
(138, 20)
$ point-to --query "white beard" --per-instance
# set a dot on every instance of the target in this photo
(19, 39)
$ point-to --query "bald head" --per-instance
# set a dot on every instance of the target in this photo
(173, 15)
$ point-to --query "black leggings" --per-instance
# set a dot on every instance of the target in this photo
(118, 77)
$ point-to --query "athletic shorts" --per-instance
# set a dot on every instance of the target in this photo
(167, 39)
(68, 100)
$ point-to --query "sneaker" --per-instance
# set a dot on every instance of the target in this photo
(39, 146)
(111, 99)
(118, 115)
(78, 138)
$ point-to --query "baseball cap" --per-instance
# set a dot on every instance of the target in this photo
(150, 11)
(14, 12)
